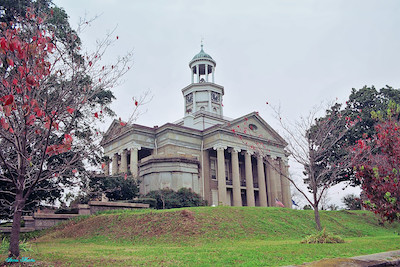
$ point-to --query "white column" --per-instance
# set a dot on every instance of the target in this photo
(124, 161)
(209, 102)
(249, 180)
(213, 70)
(271, 191)
(206, 69)
(237, 198)
(191, 71)
(262, 193)
(221, 174)
(277, 171)
(134, 161)
(114, 167)
(198, 73)
(285, 184)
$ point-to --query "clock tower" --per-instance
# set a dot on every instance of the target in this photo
(203, 97)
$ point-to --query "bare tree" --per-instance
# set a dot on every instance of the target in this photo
(310, 143)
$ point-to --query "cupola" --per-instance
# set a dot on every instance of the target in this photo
(201, 66)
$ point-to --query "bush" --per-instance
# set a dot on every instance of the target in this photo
(322, 237)
(5, 244)
(352, 202)
(169, 199)
(115, 188)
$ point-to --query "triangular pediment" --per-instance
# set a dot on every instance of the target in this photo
(252, 125)
(115, 130)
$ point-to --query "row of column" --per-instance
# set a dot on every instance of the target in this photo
(122, 168)
(206, 66)
(277, 187)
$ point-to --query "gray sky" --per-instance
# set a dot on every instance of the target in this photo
(296, 54)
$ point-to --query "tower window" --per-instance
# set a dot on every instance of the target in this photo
(189, 98)
(215, 97)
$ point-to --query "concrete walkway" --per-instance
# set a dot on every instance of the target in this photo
(391, 258)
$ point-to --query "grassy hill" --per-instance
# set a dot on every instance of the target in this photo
(216, 223)
(207, 236)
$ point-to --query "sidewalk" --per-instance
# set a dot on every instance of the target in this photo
(391, 258)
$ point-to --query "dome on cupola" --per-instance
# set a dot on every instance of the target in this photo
(202, 54)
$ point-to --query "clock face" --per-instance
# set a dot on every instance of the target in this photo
(215, 97)
(189, 98)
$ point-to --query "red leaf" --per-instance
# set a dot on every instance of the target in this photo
(10, 62)
(4, 124)
(74, 171)
(96, 115)
(70, 110)
(30, 80)
(121, 122)
(136, 103)
(8, 100)
(31, 120)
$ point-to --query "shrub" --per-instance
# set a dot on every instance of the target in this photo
(115, 188)
(5, 244)
(322, 237)
(169, 199)
(307, 207)
(352, 202)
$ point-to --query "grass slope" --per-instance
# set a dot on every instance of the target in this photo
(208, 236)
(216, 223)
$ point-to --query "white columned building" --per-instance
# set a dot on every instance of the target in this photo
(204, 150)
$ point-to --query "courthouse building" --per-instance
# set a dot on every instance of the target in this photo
(213, 155)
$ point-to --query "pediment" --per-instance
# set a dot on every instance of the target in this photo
(253, 126)
(115, 130)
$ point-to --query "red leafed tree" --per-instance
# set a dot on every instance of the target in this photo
(377, 165)
(48, 98)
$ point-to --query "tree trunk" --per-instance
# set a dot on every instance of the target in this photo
(16, 225)
(317, 219)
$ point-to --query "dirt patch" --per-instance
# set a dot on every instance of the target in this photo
(188, 214)
(171, 225)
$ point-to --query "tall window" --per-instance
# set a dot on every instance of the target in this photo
(227, 174)
(213, 168)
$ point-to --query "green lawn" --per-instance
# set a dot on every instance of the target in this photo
(210, 237)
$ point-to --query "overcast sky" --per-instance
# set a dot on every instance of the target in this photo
(295, 54)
